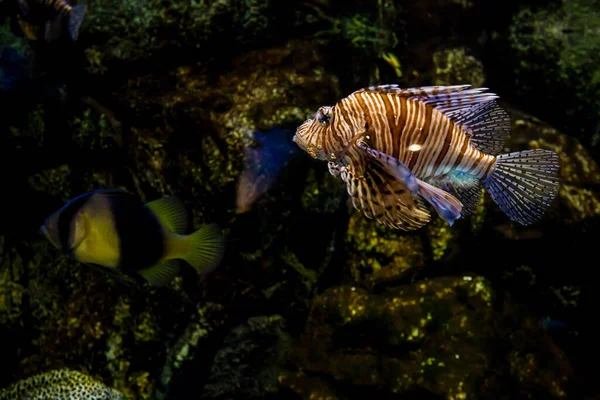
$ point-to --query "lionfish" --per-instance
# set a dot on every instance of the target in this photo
(396, 147)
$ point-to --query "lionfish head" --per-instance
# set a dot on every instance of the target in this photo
(310, 135)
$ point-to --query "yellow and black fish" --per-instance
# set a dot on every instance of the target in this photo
(113, 229)
(47, 15)
(394, 147)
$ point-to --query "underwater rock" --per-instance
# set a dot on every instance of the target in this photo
(64, 384)
(456, 65)
(214, 117)
(307, 387)
(564, 35)
(11, 291)
(127, 32)
(377, 254)
(184, 349)
(440, 336)
(322, 193)
(249, 363)
(186, 140)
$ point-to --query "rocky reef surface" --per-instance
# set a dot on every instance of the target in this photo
(312, 301)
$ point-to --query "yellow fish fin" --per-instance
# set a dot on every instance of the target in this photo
(206, 248)
(171, 213)
(162, 273)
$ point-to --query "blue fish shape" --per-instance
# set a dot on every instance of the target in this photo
(264, 160)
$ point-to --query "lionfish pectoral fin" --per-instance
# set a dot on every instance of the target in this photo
(447, 206)
(394, 167)
(380, 196)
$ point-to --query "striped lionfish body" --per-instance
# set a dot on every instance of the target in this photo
(396, 147)
(48, 14)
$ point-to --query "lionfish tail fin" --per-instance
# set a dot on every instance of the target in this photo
(447, 206)
(524, 183)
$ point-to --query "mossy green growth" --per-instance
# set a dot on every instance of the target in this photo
(478, 216)
(307, 276)
(322, 192)
(457, 66)
(379, 254)
(146, 328)
(134, 30)
(94, 130)
(564, 35)
(11, 291)
(440, 236)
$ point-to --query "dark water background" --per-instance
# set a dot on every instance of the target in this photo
(188, 83)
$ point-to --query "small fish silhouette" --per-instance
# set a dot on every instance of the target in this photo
(264, 160)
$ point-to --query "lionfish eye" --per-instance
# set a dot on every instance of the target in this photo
(323, 117)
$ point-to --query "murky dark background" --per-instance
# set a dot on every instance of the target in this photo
(312, 300)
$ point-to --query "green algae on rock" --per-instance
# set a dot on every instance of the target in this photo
(378, 254)
(438, 335)
(452, 66)
(563, 35)
(263, 89)
(249, 364)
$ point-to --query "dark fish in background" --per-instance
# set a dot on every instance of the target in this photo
(113, 229)
(14, 70)
(396, 147)
(44, 18)
(264, 160)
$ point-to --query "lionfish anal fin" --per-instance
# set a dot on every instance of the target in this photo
(466, 188)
